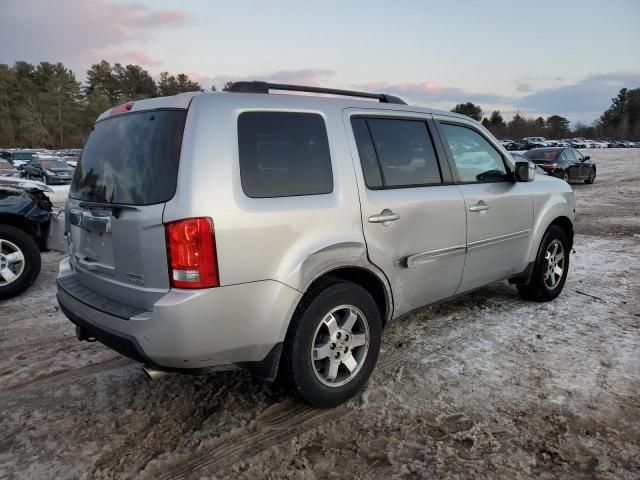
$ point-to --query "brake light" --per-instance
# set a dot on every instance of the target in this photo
(550, 166)
(124, 108)
(191, 252)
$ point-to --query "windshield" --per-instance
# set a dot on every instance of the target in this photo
(53, 164)
(23, 156)
(131, 159)
(543, 155)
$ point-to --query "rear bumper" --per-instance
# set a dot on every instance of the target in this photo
(236, 324)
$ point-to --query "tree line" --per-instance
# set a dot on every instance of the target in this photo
(45, 106)
(620, 121)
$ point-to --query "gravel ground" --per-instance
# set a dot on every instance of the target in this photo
(487, 385)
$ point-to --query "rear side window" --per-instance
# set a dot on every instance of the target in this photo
(131, 159)
(283, 154)
(403, 151)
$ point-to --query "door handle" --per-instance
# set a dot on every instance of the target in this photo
(479, 207)
(386, 217)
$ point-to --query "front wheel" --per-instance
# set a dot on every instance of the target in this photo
(592, 177)
(550, 268)
(332, 345)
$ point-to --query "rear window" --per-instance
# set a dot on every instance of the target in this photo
(283, 154)
(53, 164)
(542, 156)
(131, 159)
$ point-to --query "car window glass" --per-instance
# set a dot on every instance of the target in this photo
(405, 152)
(283, 154)
(475, 158)
(577, 155)
(367, 153)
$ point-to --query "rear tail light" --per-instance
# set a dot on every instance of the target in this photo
(549, 166)
(191, 251)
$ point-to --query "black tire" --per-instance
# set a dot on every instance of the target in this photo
(592, 177)
(565, 176)
(297, 370)
(31, 254)
(537, 289)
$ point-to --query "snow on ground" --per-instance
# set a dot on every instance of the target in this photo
(487, 385)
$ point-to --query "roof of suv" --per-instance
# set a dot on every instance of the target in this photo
(280, 100)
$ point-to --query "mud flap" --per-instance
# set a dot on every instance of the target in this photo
(56, 239)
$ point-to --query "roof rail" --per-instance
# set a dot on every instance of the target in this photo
(264, 87)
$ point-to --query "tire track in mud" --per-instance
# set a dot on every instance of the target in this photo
(276, 425)
(61, 377)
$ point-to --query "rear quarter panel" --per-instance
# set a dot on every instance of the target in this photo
(288, 239)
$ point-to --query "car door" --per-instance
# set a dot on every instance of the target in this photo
(571, 156)
(499, 210)
(583, 167)
(413, 216)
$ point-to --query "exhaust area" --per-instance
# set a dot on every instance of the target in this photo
(152, 373)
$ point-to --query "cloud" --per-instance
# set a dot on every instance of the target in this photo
(429, 92)
(304, 76)
(137, 57)
(524, 87)
(584, 100)
(76, 32)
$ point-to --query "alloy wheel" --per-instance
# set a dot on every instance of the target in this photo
(555, 264)
(11, 262)
(340, 346)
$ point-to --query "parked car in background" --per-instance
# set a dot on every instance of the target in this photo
(21, 157)
(511, 145)
(534, 142)
(7, 169)
(566, 163)
(27, 227)
(50, 170)
(176, 274)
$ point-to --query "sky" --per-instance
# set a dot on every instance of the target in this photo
(533, 57)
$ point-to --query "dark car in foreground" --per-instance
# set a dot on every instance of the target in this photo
(27, 226)
(566, 163)
(49, 170)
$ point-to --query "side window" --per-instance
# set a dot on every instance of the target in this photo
(567, 156)
(367, 153)
(283, 154)
(475, 158)
(577, 155)
(403, 151)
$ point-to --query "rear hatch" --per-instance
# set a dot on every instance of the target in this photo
(127, 172)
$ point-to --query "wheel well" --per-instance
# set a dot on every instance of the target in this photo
(27, 226)
(567, 226)
(360, 276)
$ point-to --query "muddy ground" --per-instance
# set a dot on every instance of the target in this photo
(486, 386)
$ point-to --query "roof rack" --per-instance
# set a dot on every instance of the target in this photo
(264, 87)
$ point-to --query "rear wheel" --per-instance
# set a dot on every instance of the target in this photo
(550, 268)
(332, 345)
(19, 261)
(565, 176)
(592, 177)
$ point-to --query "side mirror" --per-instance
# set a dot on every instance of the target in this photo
(525, 171)
(586, 158)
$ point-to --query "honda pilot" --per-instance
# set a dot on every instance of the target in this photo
(282, 232)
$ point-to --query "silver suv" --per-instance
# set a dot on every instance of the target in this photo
(281, 233)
